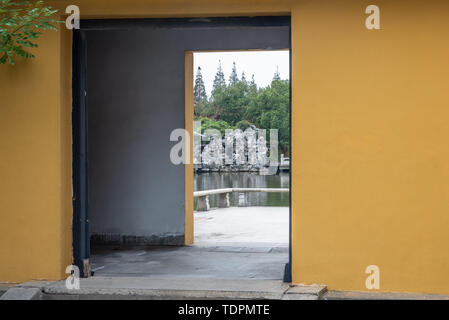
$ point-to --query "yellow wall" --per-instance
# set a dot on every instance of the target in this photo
(370, 156)
(35, 164)
(370, 145)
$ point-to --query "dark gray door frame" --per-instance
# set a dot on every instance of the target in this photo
(80, 225)
(81, 243)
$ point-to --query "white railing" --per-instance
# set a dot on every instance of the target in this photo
(223, 199)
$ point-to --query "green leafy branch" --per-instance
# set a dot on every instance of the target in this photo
(21, 23)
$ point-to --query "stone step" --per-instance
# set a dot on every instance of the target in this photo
(177, 289)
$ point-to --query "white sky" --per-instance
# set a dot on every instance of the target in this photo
(260, 63)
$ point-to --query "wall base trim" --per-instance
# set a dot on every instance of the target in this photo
(121, 239)
(364, 295)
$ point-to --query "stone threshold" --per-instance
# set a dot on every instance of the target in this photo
(139, 288)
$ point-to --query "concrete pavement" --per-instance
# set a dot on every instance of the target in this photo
(243, 224)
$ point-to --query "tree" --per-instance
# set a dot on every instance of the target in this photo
(244, 85)
(219, 80)
(21, 23)
(243, 79)
(271, 110)
(234, 101)
(199, 93)
(199, 89)
(242, 104)
(252, 86)
(233, 104)
(243, 125)
(233, 78)
(220, 125)
(277, 75)
(218, 88)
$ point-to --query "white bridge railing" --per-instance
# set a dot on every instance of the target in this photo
(223, 198)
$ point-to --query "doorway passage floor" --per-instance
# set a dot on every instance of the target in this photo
(221, 262)
(231, 243)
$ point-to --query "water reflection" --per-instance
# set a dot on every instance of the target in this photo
(215, 180)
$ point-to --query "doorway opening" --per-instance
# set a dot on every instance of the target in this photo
(241, 105)
(133, 207)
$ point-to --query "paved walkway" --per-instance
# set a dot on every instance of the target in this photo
(231, 243)
(219, 262)
(255, 225)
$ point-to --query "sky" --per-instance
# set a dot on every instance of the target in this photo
(262, 64)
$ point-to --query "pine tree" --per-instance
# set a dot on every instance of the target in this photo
(199, 92)
(233, 78)
(234, 102)
(277, 75)
(218, 89)
(243, 84)
(219, 81)
(244, 78)
(252, 88)
(253, 81)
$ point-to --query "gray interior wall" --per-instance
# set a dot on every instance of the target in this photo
(135, 80)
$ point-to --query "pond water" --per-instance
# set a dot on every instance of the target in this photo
(215, 180)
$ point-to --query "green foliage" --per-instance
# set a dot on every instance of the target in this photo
(241, 104)
(208, 123)
(270, 110)
(233, 104)
(243, 125)
(208, 109)
(21, 23)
